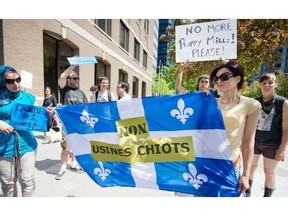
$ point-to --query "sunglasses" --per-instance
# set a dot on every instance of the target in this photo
(74, 78)
(223, 77)
(11, 81)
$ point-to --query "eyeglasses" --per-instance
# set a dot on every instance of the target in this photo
(11, 81)
(223, 77)
(74, 78)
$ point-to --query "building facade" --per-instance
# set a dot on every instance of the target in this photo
(280, 64)
(122, 47)
(156, 42)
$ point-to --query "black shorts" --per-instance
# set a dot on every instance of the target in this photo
(267, 150)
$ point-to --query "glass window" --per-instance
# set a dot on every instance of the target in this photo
(136, 50)
(124, 36)
(101, 69)
(55, 54)
(105, 25)
(123, 76)
(144, 58)
(143, 89)
(146, 26)
(135, 87)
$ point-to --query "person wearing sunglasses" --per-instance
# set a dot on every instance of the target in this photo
(70, 95)
(240, 116)
(271, 138)
(17, 148)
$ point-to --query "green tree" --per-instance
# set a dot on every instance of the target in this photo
(282, 88)
(161, 86)
(252, 90)
(257, 40)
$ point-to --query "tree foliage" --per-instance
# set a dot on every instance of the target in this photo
(282, 87)
(160, 85)
(257, 39)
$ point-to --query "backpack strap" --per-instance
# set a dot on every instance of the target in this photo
(96, 96)
(109, 95)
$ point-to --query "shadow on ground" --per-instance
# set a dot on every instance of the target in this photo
(48, 165)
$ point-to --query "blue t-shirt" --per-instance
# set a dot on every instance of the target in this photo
(26, 139)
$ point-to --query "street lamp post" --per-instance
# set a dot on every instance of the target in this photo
(159, 76)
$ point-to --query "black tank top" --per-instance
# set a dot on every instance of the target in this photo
(269, 127)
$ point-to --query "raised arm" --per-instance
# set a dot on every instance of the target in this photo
(223, 60)
(179, 86)
(64, 75)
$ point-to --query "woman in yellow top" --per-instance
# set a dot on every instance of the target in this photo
(240, 115)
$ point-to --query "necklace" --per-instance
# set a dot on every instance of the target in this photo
(237, 100)
(267, 105)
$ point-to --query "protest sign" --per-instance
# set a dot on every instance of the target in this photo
(82, 60)
(28, 117)
(26, 79)
(206, 41)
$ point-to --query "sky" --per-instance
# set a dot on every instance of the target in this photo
(149, 9)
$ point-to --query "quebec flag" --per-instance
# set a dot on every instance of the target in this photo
(173, 143)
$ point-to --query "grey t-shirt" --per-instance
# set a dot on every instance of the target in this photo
(74, 96)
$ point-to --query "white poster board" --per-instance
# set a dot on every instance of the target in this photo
(82, 60)
(206, 41)
(26, 79)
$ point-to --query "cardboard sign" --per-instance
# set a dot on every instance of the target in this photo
(82, 60)
(206, 41)
(28, 117)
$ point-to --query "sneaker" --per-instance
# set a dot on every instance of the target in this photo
(60, 174)
(76, 169)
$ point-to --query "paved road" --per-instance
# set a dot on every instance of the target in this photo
(80, 185)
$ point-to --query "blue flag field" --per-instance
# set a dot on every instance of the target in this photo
(173, 143)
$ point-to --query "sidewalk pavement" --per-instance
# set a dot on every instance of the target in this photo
(80, 185)
(73, 184)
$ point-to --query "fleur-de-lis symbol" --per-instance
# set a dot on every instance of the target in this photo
(89, 120)
(102, 172)
(182, 113)
(193, 178)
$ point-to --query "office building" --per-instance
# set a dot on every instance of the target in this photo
(40, 47)
(163, 46)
